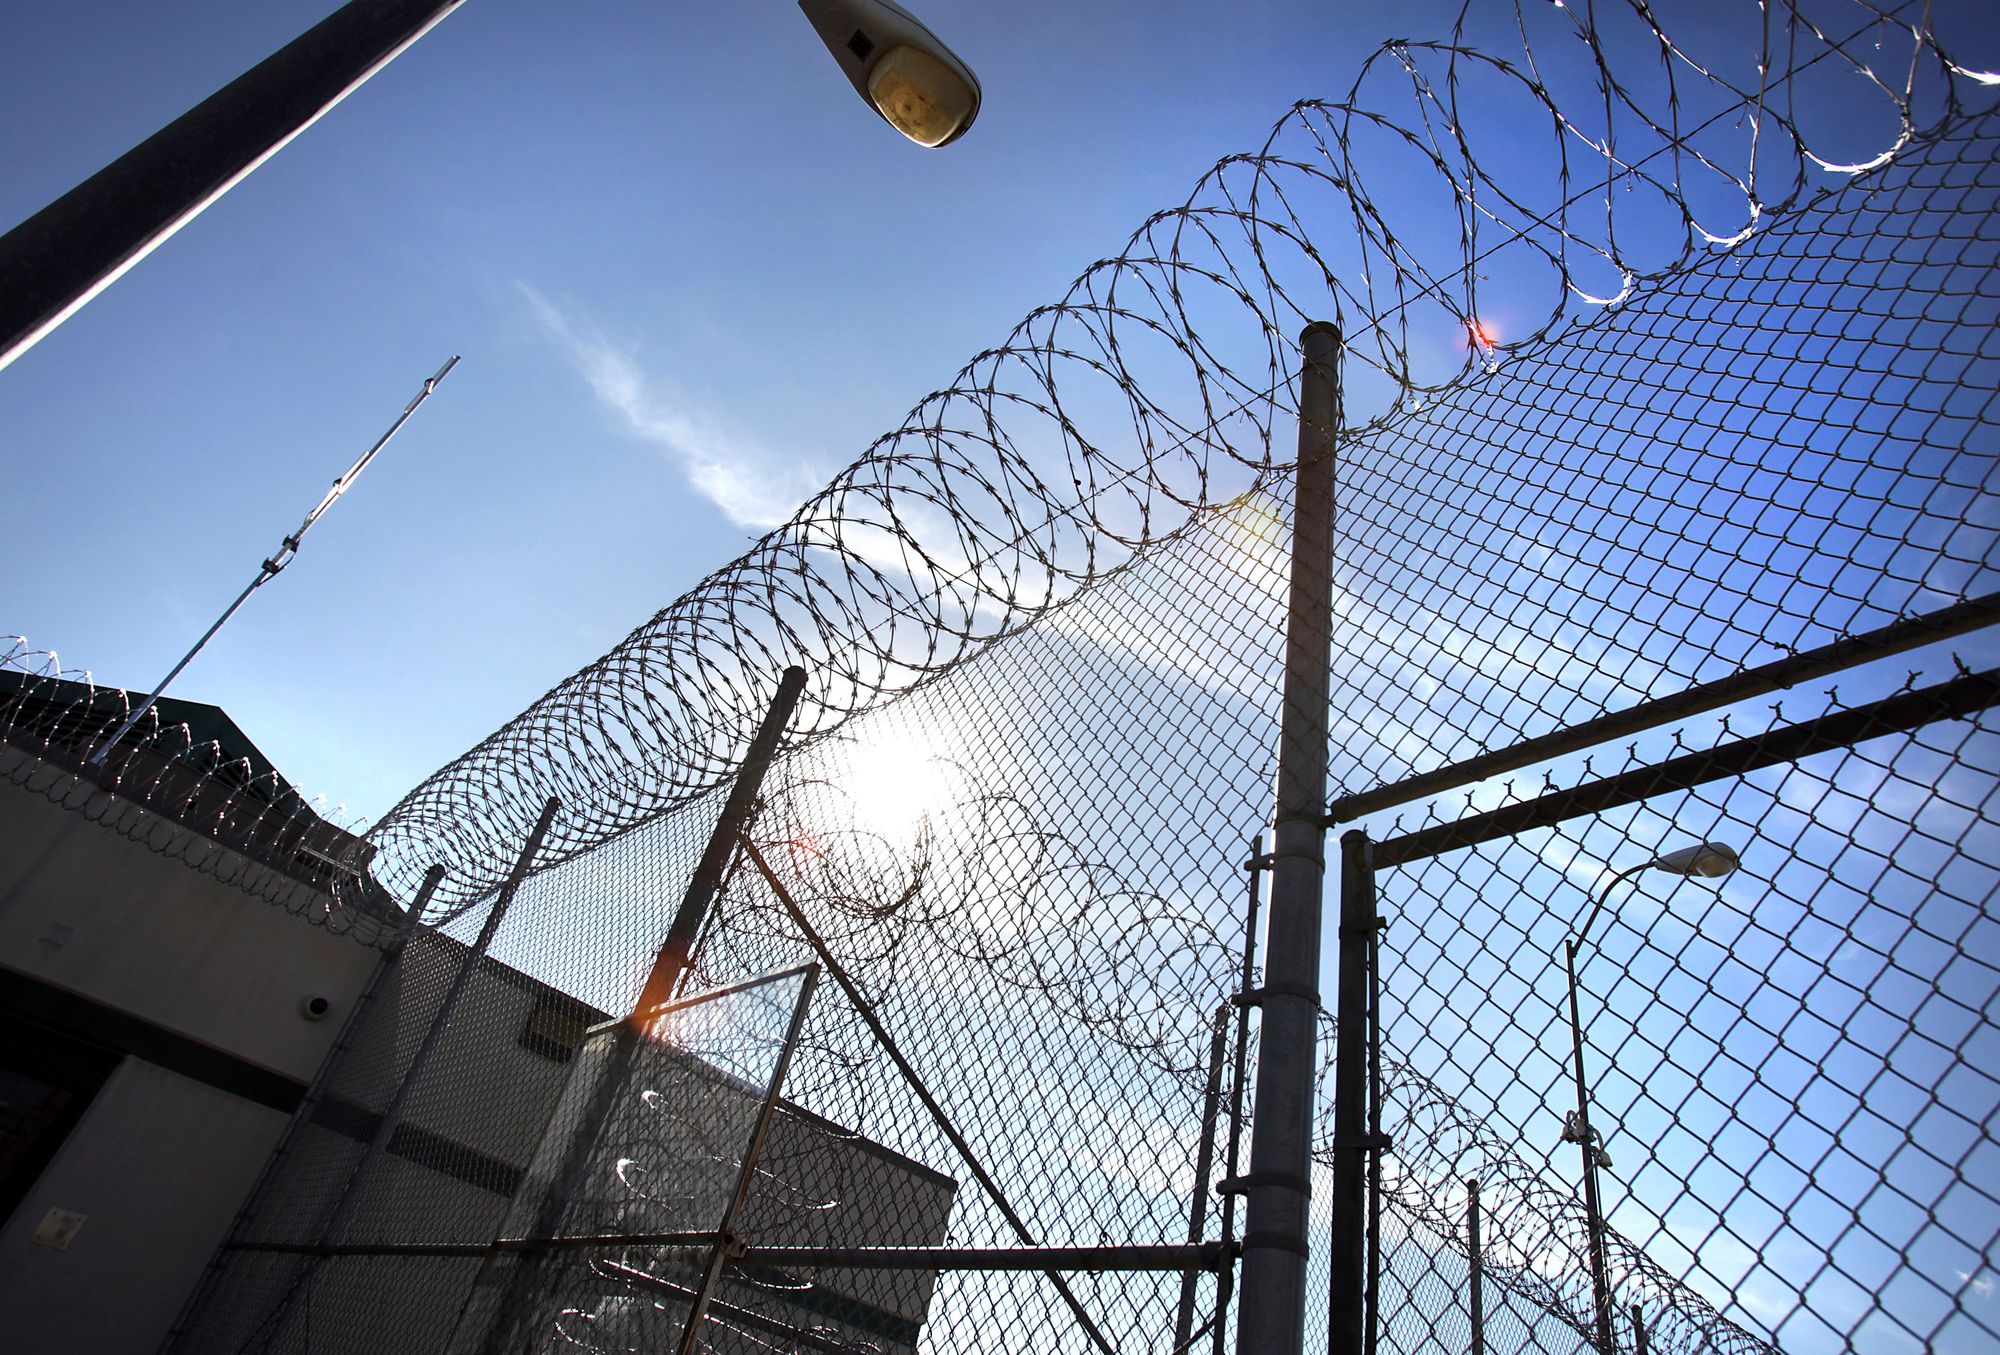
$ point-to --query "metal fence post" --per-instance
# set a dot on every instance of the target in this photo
(1225, 1280)
(670, 965)
(1278, 1188)
(392, 1117)
(386, 1126)
(1347, 1241)
(1476, 1279)
(1211, 1105)
(678, 948)
(316, 1096)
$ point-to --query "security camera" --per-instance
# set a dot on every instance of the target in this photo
(315, 1008)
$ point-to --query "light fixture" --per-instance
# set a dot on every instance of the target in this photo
(1711, 860)
(906, 74)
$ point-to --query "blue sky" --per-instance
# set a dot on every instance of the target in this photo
(690, 274)
(691, 277)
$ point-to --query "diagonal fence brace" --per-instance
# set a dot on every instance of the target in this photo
(866, 1011)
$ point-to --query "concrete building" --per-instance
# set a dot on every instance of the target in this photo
(181, 940)
(155, 1032)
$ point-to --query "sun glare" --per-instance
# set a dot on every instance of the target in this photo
(894, 783)
(1256, 538)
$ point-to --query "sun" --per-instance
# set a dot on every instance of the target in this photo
(894, 784)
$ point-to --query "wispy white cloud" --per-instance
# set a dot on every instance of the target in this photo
(744, 481)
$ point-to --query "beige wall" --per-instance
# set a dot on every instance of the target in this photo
(155, 939)
(160, 1162)
(157, 1167)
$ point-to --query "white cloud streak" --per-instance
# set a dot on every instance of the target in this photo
(739, 479)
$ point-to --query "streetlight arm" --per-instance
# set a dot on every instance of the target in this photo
(62, 256)
(1587, 1137)
(1711, 859)
(1576, 942)
(65, 254)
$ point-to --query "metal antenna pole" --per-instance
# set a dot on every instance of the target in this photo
(274, 566)
(1278, 1187)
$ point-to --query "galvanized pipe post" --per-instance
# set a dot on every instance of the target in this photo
(1347, 1241)
(1225, 1281)
(386, 1126)
(392, 1117)
(1278, 1187)
(1477, 1257)
(1204, 1167)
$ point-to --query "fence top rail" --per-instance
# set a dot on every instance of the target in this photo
(1898, 637)
(1953, 699)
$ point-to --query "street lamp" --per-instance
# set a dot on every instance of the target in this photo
(65, 254)
(898, 67)
(1711, 860)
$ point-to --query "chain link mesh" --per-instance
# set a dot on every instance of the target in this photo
(1733, 418)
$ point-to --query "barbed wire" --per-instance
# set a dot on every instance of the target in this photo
(1149, 395)
(1629, 407)
(183, 796)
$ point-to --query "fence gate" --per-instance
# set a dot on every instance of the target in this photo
(1693, 1056)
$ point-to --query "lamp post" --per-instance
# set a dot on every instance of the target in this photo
(65, 254)
(1710, 860)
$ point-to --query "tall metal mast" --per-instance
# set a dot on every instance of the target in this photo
(288, 551)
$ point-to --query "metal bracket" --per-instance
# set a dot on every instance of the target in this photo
(1317, 858)
(1238, 1185)
(1270, 1238)
(1254, 997)
(1367, 1143)
(1378, 923)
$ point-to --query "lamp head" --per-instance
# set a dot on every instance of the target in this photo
(1709, 859)
(918, 85)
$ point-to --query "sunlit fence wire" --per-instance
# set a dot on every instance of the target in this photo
(1703, 381)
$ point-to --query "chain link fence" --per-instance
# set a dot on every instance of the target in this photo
(1020, 829)
(1776, 1080)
